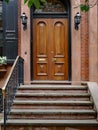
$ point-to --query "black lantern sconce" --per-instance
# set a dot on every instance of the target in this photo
(77, 19)
(24, 20)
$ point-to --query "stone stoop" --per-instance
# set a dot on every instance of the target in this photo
(53, 107)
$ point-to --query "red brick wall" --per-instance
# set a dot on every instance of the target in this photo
(84, 46)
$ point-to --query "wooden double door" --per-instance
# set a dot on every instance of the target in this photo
(50, 49)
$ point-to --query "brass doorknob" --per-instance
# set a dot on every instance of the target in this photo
(54, 59)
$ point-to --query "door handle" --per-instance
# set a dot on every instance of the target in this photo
(54, 59)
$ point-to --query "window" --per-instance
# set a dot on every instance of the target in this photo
(1, 30)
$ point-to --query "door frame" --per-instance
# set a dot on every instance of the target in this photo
(66, 3)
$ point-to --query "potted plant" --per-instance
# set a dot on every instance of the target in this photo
(3, 62)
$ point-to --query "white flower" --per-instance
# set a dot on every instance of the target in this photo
(3, 60)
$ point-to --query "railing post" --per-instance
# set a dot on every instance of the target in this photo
(1, 100)
(20, 71)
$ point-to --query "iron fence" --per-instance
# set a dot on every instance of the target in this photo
(16, 77)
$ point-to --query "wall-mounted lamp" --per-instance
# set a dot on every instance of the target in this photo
(24, 20)
(77, 19)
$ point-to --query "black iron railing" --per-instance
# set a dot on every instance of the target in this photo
(1, 101)
(15, 78)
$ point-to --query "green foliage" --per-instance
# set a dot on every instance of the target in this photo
(84, 7)
(36, 3)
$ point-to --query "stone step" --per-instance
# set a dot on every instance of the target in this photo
(28, 122)
(50, 105)
(52, 114)
(53, 82)
(52, 96)
(52, 89)
(29, 104)
(56, 82)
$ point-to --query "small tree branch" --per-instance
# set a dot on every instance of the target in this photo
(90, 5)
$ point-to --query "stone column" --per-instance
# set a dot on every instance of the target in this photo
(93, 44)
(76, 45)
(25, 43)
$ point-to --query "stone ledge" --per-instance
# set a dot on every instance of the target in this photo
(55, 94)
(93, 88)
(50, 86)
(53, 102)
(53, 111)
(53, 122)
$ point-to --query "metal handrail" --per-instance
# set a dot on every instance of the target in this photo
(15, 78)
(1, 100)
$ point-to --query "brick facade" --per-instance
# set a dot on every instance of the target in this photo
(75, 45)
(84, 48)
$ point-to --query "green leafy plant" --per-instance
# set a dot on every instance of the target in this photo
(87, 5)
(3, 60)
(36, 3)
(84, 7)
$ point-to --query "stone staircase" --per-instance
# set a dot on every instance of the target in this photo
(52, 107)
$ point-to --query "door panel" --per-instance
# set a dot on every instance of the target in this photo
(60, 47)
(50, 49)
(40, 50)
(41, 42)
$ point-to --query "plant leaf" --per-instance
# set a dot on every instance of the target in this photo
(25, 1)
(84, 7)
(30, 3)
(37, 3)
(87, 8)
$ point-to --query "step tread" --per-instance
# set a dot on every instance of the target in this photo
(57, 82)
(51, 81)
(51, 122)
(52, 94)
(48, 111)
(51, 102)
(52, 87)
